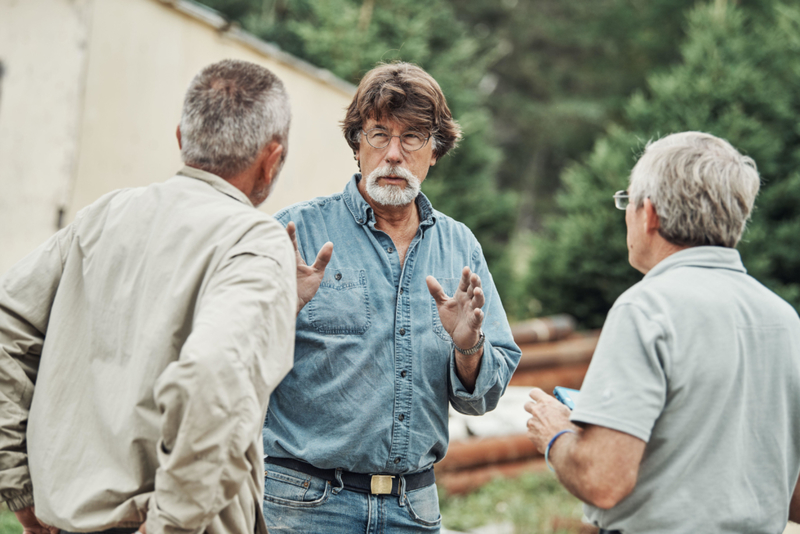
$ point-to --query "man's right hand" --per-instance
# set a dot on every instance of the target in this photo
(31, 525)
(309, 277)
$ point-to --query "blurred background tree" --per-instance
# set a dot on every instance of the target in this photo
(557, 98)
(735, 80)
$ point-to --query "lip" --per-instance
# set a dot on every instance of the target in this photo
(393, 179)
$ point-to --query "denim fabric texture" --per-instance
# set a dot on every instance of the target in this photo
(374, 368)
(295, 502)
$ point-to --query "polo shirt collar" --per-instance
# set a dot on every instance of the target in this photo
(362, 211)
(218, 183)
(708, 257)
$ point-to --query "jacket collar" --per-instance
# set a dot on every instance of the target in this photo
(218, 183)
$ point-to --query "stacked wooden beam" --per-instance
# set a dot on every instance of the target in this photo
(562, 361)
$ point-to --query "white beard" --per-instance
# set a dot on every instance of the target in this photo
(392, 195)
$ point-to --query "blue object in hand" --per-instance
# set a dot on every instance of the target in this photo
(567, 396)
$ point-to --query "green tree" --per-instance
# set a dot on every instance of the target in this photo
(737, 80)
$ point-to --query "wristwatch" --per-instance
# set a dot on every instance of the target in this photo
(473, 350)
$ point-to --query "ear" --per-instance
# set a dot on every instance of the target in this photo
(178, 135)
(273, 153)
(651, 222)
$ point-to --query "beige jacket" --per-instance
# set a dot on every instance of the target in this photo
(138, 350)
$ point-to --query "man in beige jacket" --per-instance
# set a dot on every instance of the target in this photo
(140, 344)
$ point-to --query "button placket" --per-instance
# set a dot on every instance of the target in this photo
(403, 360)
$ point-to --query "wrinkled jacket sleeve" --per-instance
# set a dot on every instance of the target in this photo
(26, 296)
(213, 400)
(500, 354)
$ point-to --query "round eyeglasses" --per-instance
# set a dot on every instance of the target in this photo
(380, 138)
(621, 200)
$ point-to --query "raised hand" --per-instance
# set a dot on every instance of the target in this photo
(461, 314)
(309, 277)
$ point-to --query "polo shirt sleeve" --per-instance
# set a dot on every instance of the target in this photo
(625, 388)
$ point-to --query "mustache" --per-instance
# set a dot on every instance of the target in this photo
(393, 170)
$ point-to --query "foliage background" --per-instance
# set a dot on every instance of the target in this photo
(557, 99)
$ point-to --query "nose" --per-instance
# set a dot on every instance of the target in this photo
(394, 152)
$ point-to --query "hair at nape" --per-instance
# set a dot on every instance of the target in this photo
(232, 110)
(702, 188)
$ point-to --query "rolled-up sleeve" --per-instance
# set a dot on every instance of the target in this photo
(500, 354)
(26, 297)
(214, 398)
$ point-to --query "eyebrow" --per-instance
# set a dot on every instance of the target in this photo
(407, 130)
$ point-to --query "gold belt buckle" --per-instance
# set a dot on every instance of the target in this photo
(381, 484)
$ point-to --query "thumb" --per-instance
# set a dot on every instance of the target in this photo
(436, 290)
(323, 257)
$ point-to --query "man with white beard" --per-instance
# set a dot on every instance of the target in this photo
(406, 321)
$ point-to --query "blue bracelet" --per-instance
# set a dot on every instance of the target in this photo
(547, 450)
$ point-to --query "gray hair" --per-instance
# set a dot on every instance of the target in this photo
(702, 188)
(232, 110)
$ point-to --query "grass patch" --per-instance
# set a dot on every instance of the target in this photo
(8, 521)
(532, 503)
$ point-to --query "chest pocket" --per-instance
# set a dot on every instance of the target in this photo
(341, 305)
(449, 285)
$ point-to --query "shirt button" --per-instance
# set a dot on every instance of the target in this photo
(338, 276)
(403, 374)
(397, 460)
(401, 417)
(390, 250)
(401, 290)
(402, 331)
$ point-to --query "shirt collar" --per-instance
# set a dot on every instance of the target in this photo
(220, 184)
(362, 212)
(708, 257)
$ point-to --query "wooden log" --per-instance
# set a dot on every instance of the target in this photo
(578, 348)
(465, 481)
(543, 329)
(570, 376)
(476, 452)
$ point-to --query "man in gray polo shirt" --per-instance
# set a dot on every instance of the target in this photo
(689, 417)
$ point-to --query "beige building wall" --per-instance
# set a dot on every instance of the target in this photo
(123, 67)
(43, 46)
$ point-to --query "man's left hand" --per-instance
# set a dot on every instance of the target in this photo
(31, 525)
(548, 418)
(461, 314)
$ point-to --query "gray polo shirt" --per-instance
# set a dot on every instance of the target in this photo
(703, 363)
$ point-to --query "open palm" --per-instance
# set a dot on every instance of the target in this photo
(461, 314)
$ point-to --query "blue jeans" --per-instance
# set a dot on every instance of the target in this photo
(295, 502)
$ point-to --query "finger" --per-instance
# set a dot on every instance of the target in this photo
(463, 284)
(477, 318)
(538, 395)
(323, 257)
(475, 280)
(436, 290)
(529, 407)
(291, 229)
(478, 299)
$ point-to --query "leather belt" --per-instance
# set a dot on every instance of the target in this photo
(374, 484)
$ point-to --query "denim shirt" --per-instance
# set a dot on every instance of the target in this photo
(374, 368)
